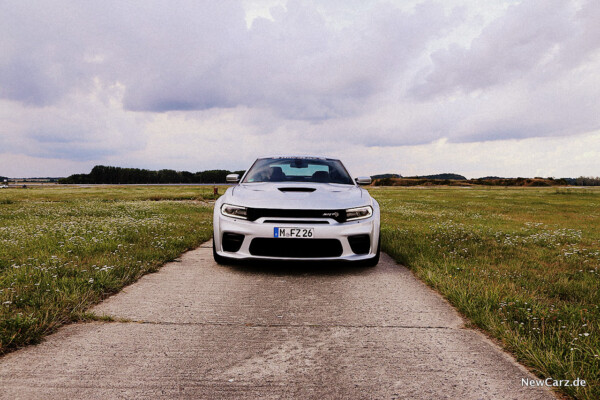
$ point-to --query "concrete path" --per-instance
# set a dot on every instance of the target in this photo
(199, 330)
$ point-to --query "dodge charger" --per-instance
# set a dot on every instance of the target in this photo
(297, 208)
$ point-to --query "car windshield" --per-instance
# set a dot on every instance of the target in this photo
(298, 170)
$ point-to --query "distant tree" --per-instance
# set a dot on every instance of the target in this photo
(587, 181)
(186, 177)
(115, 175)
(569, 181)
(212, 176)
(446, 176)
(479, 181)
(383, 176)
(168, 176)
(76, 179)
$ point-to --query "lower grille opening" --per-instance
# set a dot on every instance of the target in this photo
(232, 241)
(296, 248)
(360, 244)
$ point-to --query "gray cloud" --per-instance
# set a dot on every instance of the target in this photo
(76, 127)
(162, 81)
(511, 47)
(201, 55)
(295, 64)
(37, 54)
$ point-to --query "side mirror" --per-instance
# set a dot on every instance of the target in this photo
(363, 180)
(233, 178)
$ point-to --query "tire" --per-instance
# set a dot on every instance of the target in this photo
(218, 259)
(371, 262)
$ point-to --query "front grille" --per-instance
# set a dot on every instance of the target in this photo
(295, 248)
(360, 244)
(232, 241)
(295, 222)
(256, 213)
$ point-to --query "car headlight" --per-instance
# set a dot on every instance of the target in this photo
(234, 211)
(352, 214)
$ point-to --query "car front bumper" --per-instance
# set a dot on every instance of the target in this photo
(331, 230)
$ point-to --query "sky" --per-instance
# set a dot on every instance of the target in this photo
(501, 87)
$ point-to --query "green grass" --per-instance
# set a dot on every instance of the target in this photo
(62, 193)
(64, 249)
(521, 264)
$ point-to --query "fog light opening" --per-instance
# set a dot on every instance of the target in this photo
(232, 242)
(360, 244)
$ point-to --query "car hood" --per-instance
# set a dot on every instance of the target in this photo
(305, 196)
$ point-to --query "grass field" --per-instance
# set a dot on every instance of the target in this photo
(521, 264)
(64, 249)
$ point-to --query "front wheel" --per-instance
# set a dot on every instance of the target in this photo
(218, 259)
(371, 262)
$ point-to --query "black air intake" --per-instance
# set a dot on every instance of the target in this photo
(232, 241)
(360, 244)
(296, 189)
(256, 213)
(296, 248)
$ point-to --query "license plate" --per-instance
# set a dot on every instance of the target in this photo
(294, 232)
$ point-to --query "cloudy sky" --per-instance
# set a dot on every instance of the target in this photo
(500, 87)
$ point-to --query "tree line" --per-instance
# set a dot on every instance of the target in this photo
(489, 181)
(116, 175)
(587, 181)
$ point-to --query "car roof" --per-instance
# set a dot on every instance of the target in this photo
(299, 156)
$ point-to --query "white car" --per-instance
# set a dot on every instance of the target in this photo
(296, 208)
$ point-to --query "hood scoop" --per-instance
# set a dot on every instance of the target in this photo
(297, 189)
